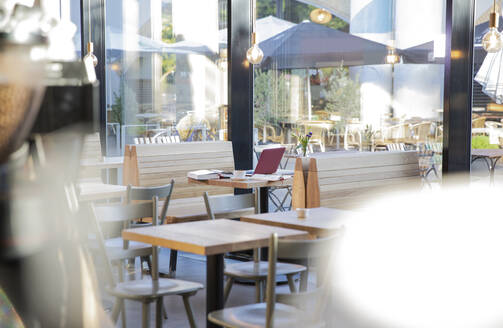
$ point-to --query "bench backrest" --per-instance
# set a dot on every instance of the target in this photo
(156, 164)
(347, 179)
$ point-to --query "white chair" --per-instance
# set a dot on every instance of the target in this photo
(252, 270)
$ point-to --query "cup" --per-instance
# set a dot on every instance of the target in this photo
(239, 174)
(302, 213)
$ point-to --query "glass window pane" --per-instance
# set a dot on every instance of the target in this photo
(165, 76)
(360, 75)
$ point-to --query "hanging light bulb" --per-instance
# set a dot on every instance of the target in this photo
(392, 57)
(320, 16)
(492, 40)
(90, 54)
(254, 55)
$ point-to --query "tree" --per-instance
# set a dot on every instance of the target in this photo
(270, 97)
(343, 95)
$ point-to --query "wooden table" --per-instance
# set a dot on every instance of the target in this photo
(261, 187)
(319, 222)
(211, 238)
(490, 156)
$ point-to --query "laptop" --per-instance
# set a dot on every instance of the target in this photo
(269, 160)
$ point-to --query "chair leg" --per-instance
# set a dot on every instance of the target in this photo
(303, 280)
(145, 314)
(158, 312)
(188, 309)
(258, 291)
(227, 289)
(121, 270)
(291, 283)
(173, 256)
(123, 314)
(116, 309)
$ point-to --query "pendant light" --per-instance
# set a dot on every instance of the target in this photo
(392, 57)
(320, 16)
(254, 54)
(491, 42)
(90, 46)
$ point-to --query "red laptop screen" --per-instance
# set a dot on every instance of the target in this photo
(269, 160)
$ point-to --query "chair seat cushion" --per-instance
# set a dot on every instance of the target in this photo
(149, 289)
(252, 270)
(116, 251)
(253, 316)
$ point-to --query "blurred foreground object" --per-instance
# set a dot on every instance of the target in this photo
(433, 260)
(44, 270)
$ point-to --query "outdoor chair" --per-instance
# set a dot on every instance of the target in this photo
(278, 200)
(145, 291)
(252, 270)
(275, 312)
(422, 132)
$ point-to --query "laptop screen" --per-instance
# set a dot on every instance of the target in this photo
(269, 160)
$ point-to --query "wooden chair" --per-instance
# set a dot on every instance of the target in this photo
(144, 291)
(269, 314)
(253, 270)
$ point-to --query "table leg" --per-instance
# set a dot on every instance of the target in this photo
(214, 285)
(264, 199)
(492, 168)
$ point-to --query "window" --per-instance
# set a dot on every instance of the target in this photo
(164, 75)
(332, 79)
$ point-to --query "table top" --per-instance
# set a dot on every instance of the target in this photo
(247, 183)
(210, 237)
(319, 221)
(91, 191)
(487, 152)
(104, 163)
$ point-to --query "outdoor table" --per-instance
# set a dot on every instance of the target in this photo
(106, 163)
(261, 188)
(490, 156)
(92, 191)
(319, 222)
(212, 238)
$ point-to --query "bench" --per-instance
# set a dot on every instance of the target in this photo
(156, 164)
(348, 180)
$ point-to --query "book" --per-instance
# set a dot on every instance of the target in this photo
(204, 174)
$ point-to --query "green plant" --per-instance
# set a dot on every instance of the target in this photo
(302, 141)
(368, 134)
(482, 142)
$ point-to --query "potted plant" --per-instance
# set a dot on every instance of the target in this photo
(302, 141)
(368, 138)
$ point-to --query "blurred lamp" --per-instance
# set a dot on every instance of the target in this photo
(320, 16)
(491, 42)
(392, 57)
(254, 54)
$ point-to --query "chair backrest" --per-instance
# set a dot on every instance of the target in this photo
(116, 213)
(227, 203)
(148, 165)
(293, 249)
(152, 193)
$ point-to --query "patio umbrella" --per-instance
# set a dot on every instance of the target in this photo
(267, 27)
(310, 45)
(490, 76)
(421, 54)
(116, 41)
